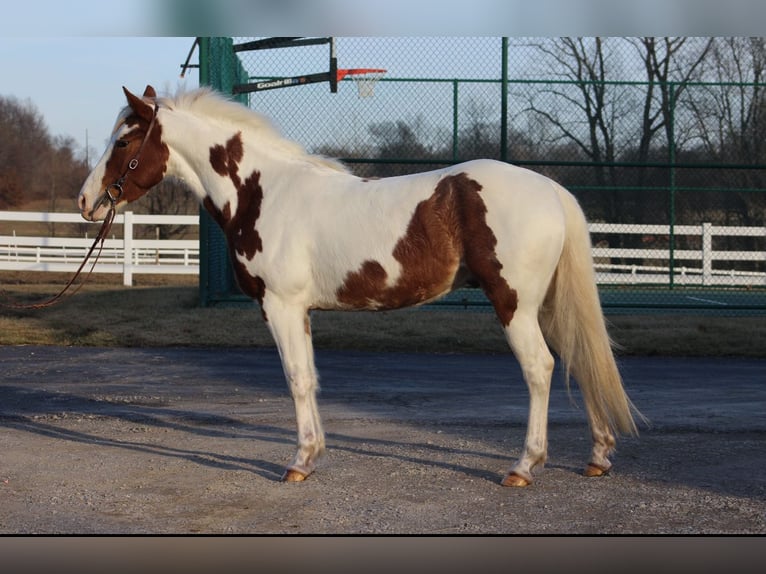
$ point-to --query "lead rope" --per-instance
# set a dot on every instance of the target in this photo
(106, 226)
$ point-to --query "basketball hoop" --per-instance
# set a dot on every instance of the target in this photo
(365, 78)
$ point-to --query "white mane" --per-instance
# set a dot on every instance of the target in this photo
(207, 102)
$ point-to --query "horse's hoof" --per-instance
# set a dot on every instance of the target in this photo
(595, 470)
(515, 480)
(292, 475)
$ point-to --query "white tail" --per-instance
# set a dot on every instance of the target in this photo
(573, 324)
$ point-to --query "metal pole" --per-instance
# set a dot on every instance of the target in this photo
(204, 217)
(333, 67)
(504, 102)
(672, 198)
(204, 61)
(455, 136)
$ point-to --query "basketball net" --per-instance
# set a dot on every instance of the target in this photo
(365, 79)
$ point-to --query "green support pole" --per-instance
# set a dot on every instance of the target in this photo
(504, 102)
(220, 69)
(672, 199)
(455, 87)
(204, 218)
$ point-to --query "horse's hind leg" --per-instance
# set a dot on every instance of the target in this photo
(290, 328)
(603, 445)
(527, 342)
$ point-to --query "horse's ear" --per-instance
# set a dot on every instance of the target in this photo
(138, 105)
(149, 92)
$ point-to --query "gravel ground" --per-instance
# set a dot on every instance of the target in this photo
(180, 440)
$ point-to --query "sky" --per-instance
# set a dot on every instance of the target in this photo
(76, 82)
(72, 58)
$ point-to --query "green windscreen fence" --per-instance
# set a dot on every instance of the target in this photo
(221, 69)
(662, 140)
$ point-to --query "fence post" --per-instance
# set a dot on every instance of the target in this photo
(707, 253)
(127, 243)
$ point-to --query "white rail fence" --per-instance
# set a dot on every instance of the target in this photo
(692, 267)
(127, 255)
(130, 255)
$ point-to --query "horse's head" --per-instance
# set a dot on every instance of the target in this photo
(134, 161)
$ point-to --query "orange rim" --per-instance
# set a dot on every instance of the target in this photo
(358, 72)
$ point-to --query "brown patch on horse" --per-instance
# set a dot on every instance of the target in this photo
(239, 227)
(152, 163)
(445, 229)
(225, 159)
(364, 288)
(221, 217)
(429, 258)
(251, 286)
(479, 242)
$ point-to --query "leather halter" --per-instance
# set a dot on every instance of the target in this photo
(132, 165)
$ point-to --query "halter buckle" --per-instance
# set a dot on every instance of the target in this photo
(113, 199)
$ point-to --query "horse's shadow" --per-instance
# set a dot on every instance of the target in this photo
(36, 408)
(40, 405)
(35, 411)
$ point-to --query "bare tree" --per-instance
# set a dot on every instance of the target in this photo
(170, 197)
(731, 115)
(583, 61)
(730, 122)
(584, 109)
(24, 146)
(402, 139)
(610, 120)
(669, 64)
(479, 137)
(34, 167)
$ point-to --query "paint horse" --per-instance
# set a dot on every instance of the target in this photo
(305, 234)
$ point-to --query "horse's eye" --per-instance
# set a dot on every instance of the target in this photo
(121, 143)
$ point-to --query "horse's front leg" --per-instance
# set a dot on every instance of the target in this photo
(290, 327)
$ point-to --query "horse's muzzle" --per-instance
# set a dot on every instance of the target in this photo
(97, 213)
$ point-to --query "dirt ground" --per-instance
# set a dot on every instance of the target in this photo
(185, 440)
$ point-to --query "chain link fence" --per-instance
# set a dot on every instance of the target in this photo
(663, 141)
